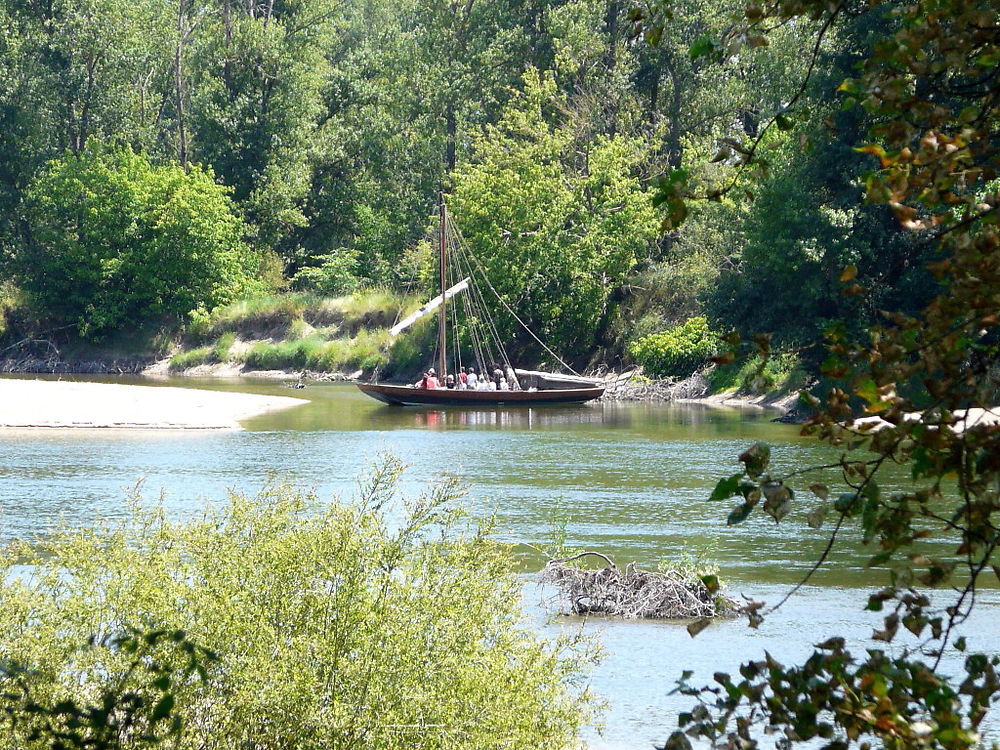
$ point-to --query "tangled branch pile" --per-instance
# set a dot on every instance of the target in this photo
(634, 593)
(668, 389)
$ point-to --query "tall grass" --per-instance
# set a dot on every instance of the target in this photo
(781, 372)
(278, 314)
(191, 358)
(302, 331)
(365, 351)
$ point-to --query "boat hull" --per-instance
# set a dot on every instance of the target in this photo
(405, 395)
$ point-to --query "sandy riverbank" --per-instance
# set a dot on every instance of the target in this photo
(47, 403)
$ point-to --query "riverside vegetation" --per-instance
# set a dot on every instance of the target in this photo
(263, 150)
(276, 621)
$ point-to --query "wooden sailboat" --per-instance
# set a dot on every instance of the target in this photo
(530, 387)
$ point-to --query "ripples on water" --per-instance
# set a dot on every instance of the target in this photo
(628, 480)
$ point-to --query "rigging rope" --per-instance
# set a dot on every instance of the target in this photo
(482, 271)
(491, 329)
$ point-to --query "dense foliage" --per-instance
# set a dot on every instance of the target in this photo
(925, 380)
(678, 351)
(559, 224)
(115, 241)
(134, 709)
(335, 126)
(377, 622)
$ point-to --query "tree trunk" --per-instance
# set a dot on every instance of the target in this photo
(182, 149)
(451, 135)
(675, 151)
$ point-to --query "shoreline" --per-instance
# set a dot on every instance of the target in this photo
(47, 404)
(690, 391)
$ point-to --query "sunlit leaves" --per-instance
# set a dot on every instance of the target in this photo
(118, 242)
(325, 621)
(555, 238)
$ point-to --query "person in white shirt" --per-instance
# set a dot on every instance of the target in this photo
(512, 379)
(473, 379)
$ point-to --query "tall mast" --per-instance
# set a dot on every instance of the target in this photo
(442, 315)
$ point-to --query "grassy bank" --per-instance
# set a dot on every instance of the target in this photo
(303, 331)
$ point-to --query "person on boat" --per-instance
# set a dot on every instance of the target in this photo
(463, 379)
(512, 379)
(472, 379)
(503, 385)
(497, 375)
(450, 381)
(428, 381)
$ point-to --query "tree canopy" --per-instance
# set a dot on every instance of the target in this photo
(924, 379)
(115, 241)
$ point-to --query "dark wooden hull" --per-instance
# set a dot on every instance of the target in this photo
(406, 395)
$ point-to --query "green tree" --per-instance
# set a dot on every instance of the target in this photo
(557, 225)
(112, 241)
(926, 382)
(256, 81)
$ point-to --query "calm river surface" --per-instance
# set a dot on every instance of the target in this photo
(629, 480)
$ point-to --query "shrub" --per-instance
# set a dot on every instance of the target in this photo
(335, 275)
(115, 241)
(375, 623)
(678, 351)
(220, 351)
(135, 711)
(190, 358)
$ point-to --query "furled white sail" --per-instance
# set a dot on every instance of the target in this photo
(429, 307)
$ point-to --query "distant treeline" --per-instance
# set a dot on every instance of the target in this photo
(162, 157)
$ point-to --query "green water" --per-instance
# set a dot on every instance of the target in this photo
(629, 480)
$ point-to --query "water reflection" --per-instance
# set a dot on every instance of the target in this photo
(520, 418)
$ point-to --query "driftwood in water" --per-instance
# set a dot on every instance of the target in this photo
(632, 592)
(634, 389)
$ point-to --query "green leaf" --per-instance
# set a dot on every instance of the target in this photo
(726, 488)
(870, 509)
(880, 559)
(846, 503)
(702, 46)
(784, 122)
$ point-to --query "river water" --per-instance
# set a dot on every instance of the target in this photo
(629, 480)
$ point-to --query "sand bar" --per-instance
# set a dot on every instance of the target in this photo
(48, 403)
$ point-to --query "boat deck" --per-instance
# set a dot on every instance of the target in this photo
(408, 395)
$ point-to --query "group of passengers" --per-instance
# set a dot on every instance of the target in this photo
(469, 380)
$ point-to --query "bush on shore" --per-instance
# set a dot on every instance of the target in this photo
(372, 623)
(118, 242)
(678, 351)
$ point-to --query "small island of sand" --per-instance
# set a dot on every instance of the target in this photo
(47, 403)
